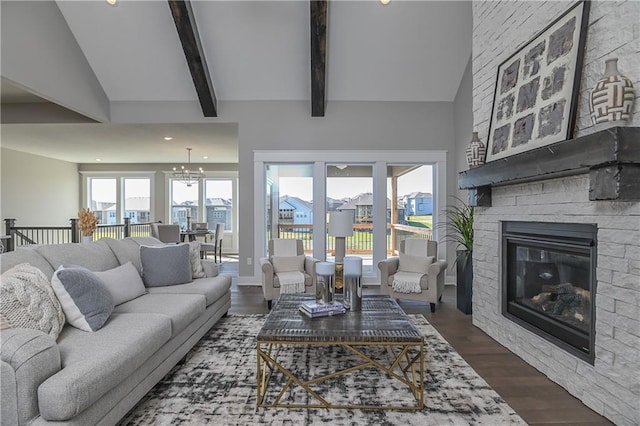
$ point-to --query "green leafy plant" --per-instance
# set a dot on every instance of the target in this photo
(459, 226)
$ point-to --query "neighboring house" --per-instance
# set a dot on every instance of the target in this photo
(362, 207)
(418, 204)
(138, 209)
(219, 210)
(293, 210)
(106, 212)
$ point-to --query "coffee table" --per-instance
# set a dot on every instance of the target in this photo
(381, 323)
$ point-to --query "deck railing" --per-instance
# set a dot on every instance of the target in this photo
(29, 235)
(361, 242)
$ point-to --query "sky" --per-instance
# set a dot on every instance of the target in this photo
(105, 189)
(420, 180)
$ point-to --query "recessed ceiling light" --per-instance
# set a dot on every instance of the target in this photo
(385, 2)
(168, 138)
(205, 157)
(98, 159)
(112, 2)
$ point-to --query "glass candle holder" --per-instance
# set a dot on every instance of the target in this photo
(353, 283)
(325, 282)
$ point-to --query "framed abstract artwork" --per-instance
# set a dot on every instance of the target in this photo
(536, 95)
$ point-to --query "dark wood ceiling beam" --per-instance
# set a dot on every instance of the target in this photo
(318, 10)
(194, 54)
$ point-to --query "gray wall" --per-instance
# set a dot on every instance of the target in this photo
(346, 126)
(463, 128)
(42, 54)
(38, 190)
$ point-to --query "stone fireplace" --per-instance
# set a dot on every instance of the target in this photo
(571, 233)
(589, 180)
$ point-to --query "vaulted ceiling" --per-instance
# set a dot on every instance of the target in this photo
(413, 51)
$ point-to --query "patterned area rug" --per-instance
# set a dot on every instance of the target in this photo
(215, 384)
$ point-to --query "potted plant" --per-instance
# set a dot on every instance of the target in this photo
(88, 222)
(460, 231)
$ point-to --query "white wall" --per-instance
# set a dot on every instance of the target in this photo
(613, 31)
(38, 190)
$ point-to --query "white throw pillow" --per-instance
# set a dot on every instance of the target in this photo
(415, 264)
(28, 301)
(197, 271)
(124, 283)
(288, 263)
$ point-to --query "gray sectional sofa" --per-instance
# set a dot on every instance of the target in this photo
(88, 378)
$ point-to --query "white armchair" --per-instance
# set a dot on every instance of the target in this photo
(282, 251)
(418, 262)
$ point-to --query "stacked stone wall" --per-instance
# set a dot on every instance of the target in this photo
(612, 385)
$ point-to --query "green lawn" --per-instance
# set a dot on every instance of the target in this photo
(421, 221)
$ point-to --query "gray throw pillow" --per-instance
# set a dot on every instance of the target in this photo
(165, 265)
(124, 283)
(86, 302)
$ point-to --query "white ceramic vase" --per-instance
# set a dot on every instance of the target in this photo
(476, 151)
(611, 99)
(87, 238)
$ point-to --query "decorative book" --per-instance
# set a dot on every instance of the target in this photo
(325, 313)
(313, 307)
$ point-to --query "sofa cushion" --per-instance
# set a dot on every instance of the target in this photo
(182, 309)
(124, 283)
(28, 301)
(95, 256)
(212, 288)
(26, 255)
(94, 363)
(288, 263)
(126, 250)
(165, 265)
(86, 302)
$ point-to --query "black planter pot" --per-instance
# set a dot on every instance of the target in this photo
(464, 280)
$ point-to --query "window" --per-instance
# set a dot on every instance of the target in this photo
(103, 199)
(115, 197)
(411, 215)
(184, 203)
(219, 203)
(137, 200)
(350, 189)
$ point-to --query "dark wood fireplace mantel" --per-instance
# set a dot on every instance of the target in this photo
(611, 158)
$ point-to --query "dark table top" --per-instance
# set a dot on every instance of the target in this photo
(381, 320)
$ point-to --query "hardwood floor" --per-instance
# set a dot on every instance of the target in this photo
(538, 400)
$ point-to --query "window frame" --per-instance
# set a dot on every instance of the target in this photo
(119, 177)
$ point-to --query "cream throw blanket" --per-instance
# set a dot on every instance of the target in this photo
(291, 282)
(407, 282)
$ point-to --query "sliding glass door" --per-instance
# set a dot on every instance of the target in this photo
(289, 207)
(350, 190)
(389, 196)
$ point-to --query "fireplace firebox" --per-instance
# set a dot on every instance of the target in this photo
(549, 281)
